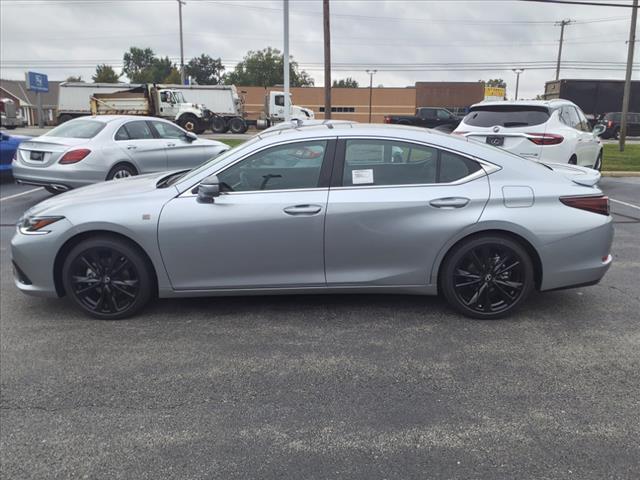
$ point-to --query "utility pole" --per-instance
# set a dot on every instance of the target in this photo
(327, 59)
(180, 3)
(287, 100)
(517, 71)
(562, 24)
(371, 74)
(627, 83)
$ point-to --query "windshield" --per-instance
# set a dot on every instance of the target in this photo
(507, 116)
(223, 156)
(179, 97)
(77, 129)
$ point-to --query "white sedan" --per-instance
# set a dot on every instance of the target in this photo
(93, 149)
(550, 131)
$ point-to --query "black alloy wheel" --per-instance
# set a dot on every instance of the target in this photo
(487, 277)
(107, 278)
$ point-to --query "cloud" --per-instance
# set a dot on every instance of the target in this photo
(69, 37)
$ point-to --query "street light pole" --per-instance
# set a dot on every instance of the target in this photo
(327, 58)
(517, 71)
(180, 3)
(627, 83)
(287, 101)
(371, 74)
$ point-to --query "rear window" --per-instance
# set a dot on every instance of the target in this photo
(506, 116)
(77, 129)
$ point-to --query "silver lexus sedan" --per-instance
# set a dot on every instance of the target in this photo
(93, 149)
(324, 209)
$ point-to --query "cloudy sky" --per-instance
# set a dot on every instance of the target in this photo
(406, 40)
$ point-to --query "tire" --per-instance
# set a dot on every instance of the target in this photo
(64, 118)
(200, 130)
(487, 276)
(598, 165)
(237, 125)
(616, 133)
(108, 278)
(122, 170)
(189, 122)
(219, 125)
(52, 190)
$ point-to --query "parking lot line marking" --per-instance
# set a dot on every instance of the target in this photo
(20, 194)
(625, 203)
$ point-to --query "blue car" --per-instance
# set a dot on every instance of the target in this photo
(8, 146)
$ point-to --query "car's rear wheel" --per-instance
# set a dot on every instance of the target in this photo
(107, 278)
(487, 276)
(122, 170)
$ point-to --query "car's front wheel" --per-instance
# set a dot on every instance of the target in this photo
(107, 277)
(487, 276)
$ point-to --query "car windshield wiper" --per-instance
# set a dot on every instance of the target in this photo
(171, 179)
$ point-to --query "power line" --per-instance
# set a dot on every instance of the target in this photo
(582, 2)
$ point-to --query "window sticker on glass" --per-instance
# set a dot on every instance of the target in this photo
(359, 177)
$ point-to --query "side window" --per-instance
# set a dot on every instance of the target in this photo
(384, 162)
(574, 120)
(122, 133)
(139, 130)
(584, 123)
(163, 97)
(454, 167)
(428, 113)
(443, 115)
(283, 167)
(167, 130)
(279, 100)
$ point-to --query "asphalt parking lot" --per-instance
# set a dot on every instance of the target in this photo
(357, 386)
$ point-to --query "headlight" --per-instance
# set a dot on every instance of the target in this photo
(34, 225)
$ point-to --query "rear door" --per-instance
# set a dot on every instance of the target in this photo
(392, 206)
(181, 151)
(585, 145)
(137, 141)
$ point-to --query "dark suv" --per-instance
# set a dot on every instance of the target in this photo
(612, 122)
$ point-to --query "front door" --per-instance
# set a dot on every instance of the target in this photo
(181, 151)
(393, 209)
(265, 231)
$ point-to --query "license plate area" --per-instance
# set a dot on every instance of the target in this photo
(36, 156)
(495, 141)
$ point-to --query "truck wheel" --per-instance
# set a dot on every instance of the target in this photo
(64, 118)
(237, 125)
(219, 125)
(188, 122)
(200, 129)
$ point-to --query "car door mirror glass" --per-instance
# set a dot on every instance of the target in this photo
(599, 129)
(209, 189)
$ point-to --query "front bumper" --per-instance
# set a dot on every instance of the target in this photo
(33, 257)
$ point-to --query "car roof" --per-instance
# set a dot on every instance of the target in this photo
(555, 103)
(113, 118)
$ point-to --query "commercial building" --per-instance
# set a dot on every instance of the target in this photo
(26, 103)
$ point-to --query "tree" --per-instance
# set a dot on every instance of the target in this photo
(74, 78)
(138, 63)
(264, 68)
(173, 77)
(345, 83)
(105, 74)
(205, 70)
(496, 82)
(161, 69)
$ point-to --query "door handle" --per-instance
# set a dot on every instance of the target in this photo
(449, 202)
(131, 147)
(303, 210)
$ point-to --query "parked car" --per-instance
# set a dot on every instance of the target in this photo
(8, 146)
(93, 149)
(550, 131)
(612, 123)
(429, 117)
(445, 216)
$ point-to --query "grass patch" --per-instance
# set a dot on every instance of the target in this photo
(616, 161)
(232, 142)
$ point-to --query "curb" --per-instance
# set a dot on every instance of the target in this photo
(620, 174)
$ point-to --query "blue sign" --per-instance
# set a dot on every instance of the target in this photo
(37, 82)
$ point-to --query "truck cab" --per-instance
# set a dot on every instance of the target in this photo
(171, 104)
(274, 108)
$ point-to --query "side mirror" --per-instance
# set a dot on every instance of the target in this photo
(190, 136)
(599, 129)
(209, 189)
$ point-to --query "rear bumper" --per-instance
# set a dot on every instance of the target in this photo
(61, 179)
(579, 260)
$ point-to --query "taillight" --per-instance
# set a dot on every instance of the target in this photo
(545, 138)
(459, 133)
(591, 204)
(74, 156)
(387, 119)
(610, 124)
